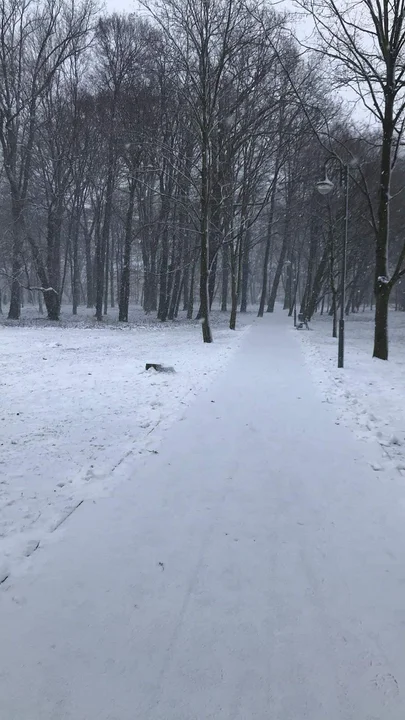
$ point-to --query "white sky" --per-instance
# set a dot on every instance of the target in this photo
(121, 5)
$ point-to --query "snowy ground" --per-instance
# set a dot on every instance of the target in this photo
(77, 408)
(252, 570)
(368, 393)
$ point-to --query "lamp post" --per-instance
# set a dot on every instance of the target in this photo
(324, 187)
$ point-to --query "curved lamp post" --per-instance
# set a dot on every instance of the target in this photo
(324, 187)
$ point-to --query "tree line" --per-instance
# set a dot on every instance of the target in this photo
(170, 158)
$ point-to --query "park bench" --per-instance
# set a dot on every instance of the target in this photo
(303, 321)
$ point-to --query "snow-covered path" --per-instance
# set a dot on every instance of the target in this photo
(254, 569)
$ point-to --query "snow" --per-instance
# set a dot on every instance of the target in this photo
(77, 407)
(252, 569)
(368, 393)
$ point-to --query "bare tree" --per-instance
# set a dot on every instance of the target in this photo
(205, 38)
(121, 42)
(365, 41)
(35, 40)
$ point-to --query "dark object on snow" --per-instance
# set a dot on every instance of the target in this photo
(303, 320)
(159, 368)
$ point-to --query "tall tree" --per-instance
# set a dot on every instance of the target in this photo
(365, 41)
(121, 45)
(35, 41)
(205, 38)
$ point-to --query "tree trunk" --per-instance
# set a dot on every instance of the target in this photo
(101, 249)
(401, 285)
(75, 270)
(177, 306)
(107, 273)
(236, 275)
(382, 287)
(153, 281)
(317, 284)
(212, 277)
(51, 279)
(52, 303)
(245, 275)
(186, 282)
(381, 322)
(280, 263)
(269, 236)
(125, 275)
(213, 262)
(17, 208)
(112, 291)
(169, 285)
(205, 239)
(288, 285)
(190, 306)
(15, 294)
(234, 293)
(164, 278)
(225, 278)
(313, 248)
(177, 283)
(89, 269)
(333, 311)
(296, 280)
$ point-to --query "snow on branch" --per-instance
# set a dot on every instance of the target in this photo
(43, 290)
(30, 287)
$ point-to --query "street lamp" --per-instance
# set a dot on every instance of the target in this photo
(324, 187)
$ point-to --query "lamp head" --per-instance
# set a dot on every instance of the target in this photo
(325, 186)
